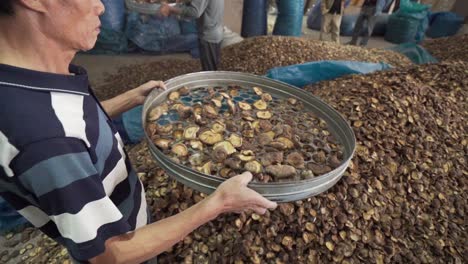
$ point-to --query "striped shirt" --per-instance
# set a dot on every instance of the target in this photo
(62, 163)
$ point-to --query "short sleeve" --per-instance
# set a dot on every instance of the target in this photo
(71, 203)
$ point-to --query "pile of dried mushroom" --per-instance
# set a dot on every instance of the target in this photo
(403, 199)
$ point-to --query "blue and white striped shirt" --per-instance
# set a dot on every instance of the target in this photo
(62, 163)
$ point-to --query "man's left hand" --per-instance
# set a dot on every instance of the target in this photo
(165, 9)
(139, 94)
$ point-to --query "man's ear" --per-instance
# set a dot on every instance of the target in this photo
(36, 5)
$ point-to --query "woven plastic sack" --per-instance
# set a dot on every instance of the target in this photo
(110, 42)
(188, 27)
(150, 32)
(401, 29)
(114, 15)
(444, 24)
(254, 18)
(289, 19)
(417, 54)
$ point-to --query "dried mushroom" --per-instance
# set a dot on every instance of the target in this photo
(157, 112)
(162, 143)
(210, 137)
(173, 96)
(253, 166)
(179, 150)
(190, 132)
(245, 106)
(235, 140)
(281, 171)
(264, 114)
(261, 105)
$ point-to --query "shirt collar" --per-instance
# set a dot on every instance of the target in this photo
(45, 81)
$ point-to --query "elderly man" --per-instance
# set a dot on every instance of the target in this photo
(332, 11)
(209, 15)
(62, 163)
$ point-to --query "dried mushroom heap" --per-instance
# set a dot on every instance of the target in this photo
(130, 77)
(259, 54)
(403, 200)
(449, 48)
(233, 129)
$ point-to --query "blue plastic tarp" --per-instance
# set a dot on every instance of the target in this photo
(301, 75)
(9, 218)
(415, 53)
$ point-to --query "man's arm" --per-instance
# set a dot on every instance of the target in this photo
(130, 99)
(149, 241)
(194, 9)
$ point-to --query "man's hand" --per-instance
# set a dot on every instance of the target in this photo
(165, 9)
(233, 195)
(139, 94)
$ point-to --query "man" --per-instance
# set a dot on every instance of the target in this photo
(369, 12)
(332, 11)
(209, 15)
(62, 163)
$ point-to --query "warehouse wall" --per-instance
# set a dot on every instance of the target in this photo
(233, 14)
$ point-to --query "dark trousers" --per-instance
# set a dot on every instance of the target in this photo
(210, 54)
(366, 21)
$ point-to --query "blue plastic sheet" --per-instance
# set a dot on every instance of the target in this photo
(114, 15)
(254, 18)
(9, 218)
(133, 124)
(415, 53)
(301, 75)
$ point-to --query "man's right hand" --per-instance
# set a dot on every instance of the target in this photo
(233, 195)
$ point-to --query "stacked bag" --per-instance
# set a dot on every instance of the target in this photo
(409, 23)
(444, 24)
(112, 38)
(142, 30)
(254, 18)
(289, 19)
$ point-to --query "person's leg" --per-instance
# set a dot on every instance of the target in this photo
(357, 28)
(209, 55)
(325, 29)
(371, 20)
(216, 47)
(335, 28)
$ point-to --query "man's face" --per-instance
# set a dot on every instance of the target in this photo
(74, 23)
